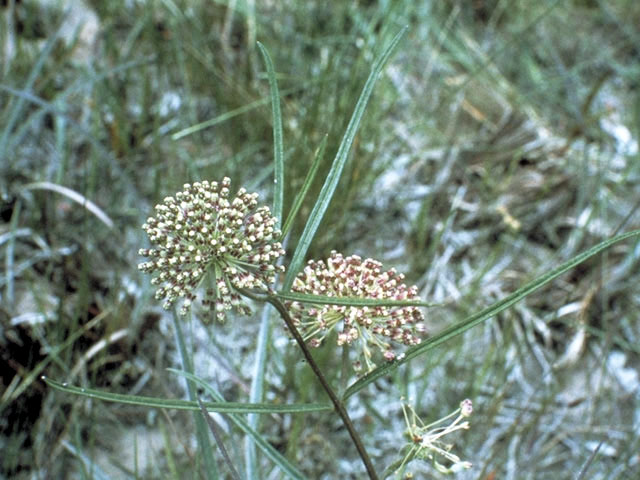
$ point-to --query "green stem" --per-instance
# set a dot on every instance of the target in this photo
(337, 403)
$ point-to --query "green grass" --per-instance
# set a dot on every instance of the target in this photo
(483, 161)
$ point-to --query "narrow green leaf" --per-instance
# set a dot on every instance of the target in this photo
(219, 119)
(351, 301)
(302, 194)
(278, 147)
(234, 113)
(74, 196)
(242, 424)
(177, 404)
(217, 435)
(257, 391)
(210, 466)
(331, 182)
(484, 314)
(257, 384)
(88, 461)
(9, 261)
(168, 451)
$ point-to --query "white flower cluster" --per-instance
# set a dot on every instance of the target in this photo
(200, 232)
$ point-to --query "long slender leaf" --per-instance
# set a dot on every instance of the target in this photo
(302, 194)
(265, 446)
(9, 262)
(89, 463)
(178, 404)
(278, 147)
(73, 196)
(257, 390)
(331, 182)
(210, 466)
(257, 383)
(352, 301)
(592, 457)
(217, 435)
(492, 310)
(235, 112)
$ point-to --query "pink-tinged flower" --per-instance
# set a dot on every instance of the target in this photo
(199, 233)
(369, 327)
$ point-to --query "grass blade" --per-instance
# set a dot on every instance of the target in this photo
(257, 384)
(215, 431)
(331, 182)
(9, 261)
(592, 457)
(257, 391)
(16, 112)
(210, 466)
(485, 314)
(311, 175)
(73, 196)
(278, 148)
(52, 356)
(234, 113)
(242, 424)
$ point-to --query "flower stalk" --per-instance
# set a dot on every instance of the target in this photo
(337, 403)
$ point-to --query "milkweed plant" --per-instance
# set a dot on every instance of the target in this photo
(200, 238)
(215, 251)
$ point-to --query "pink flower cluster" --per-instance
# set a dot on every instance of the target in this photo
(370, 327)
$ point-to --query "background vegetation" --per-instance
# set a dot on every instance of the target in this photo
(500, 141)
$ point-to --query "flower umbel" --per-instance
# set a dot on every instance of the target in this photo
(425, 441)
(200, 232)
(368, 327)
